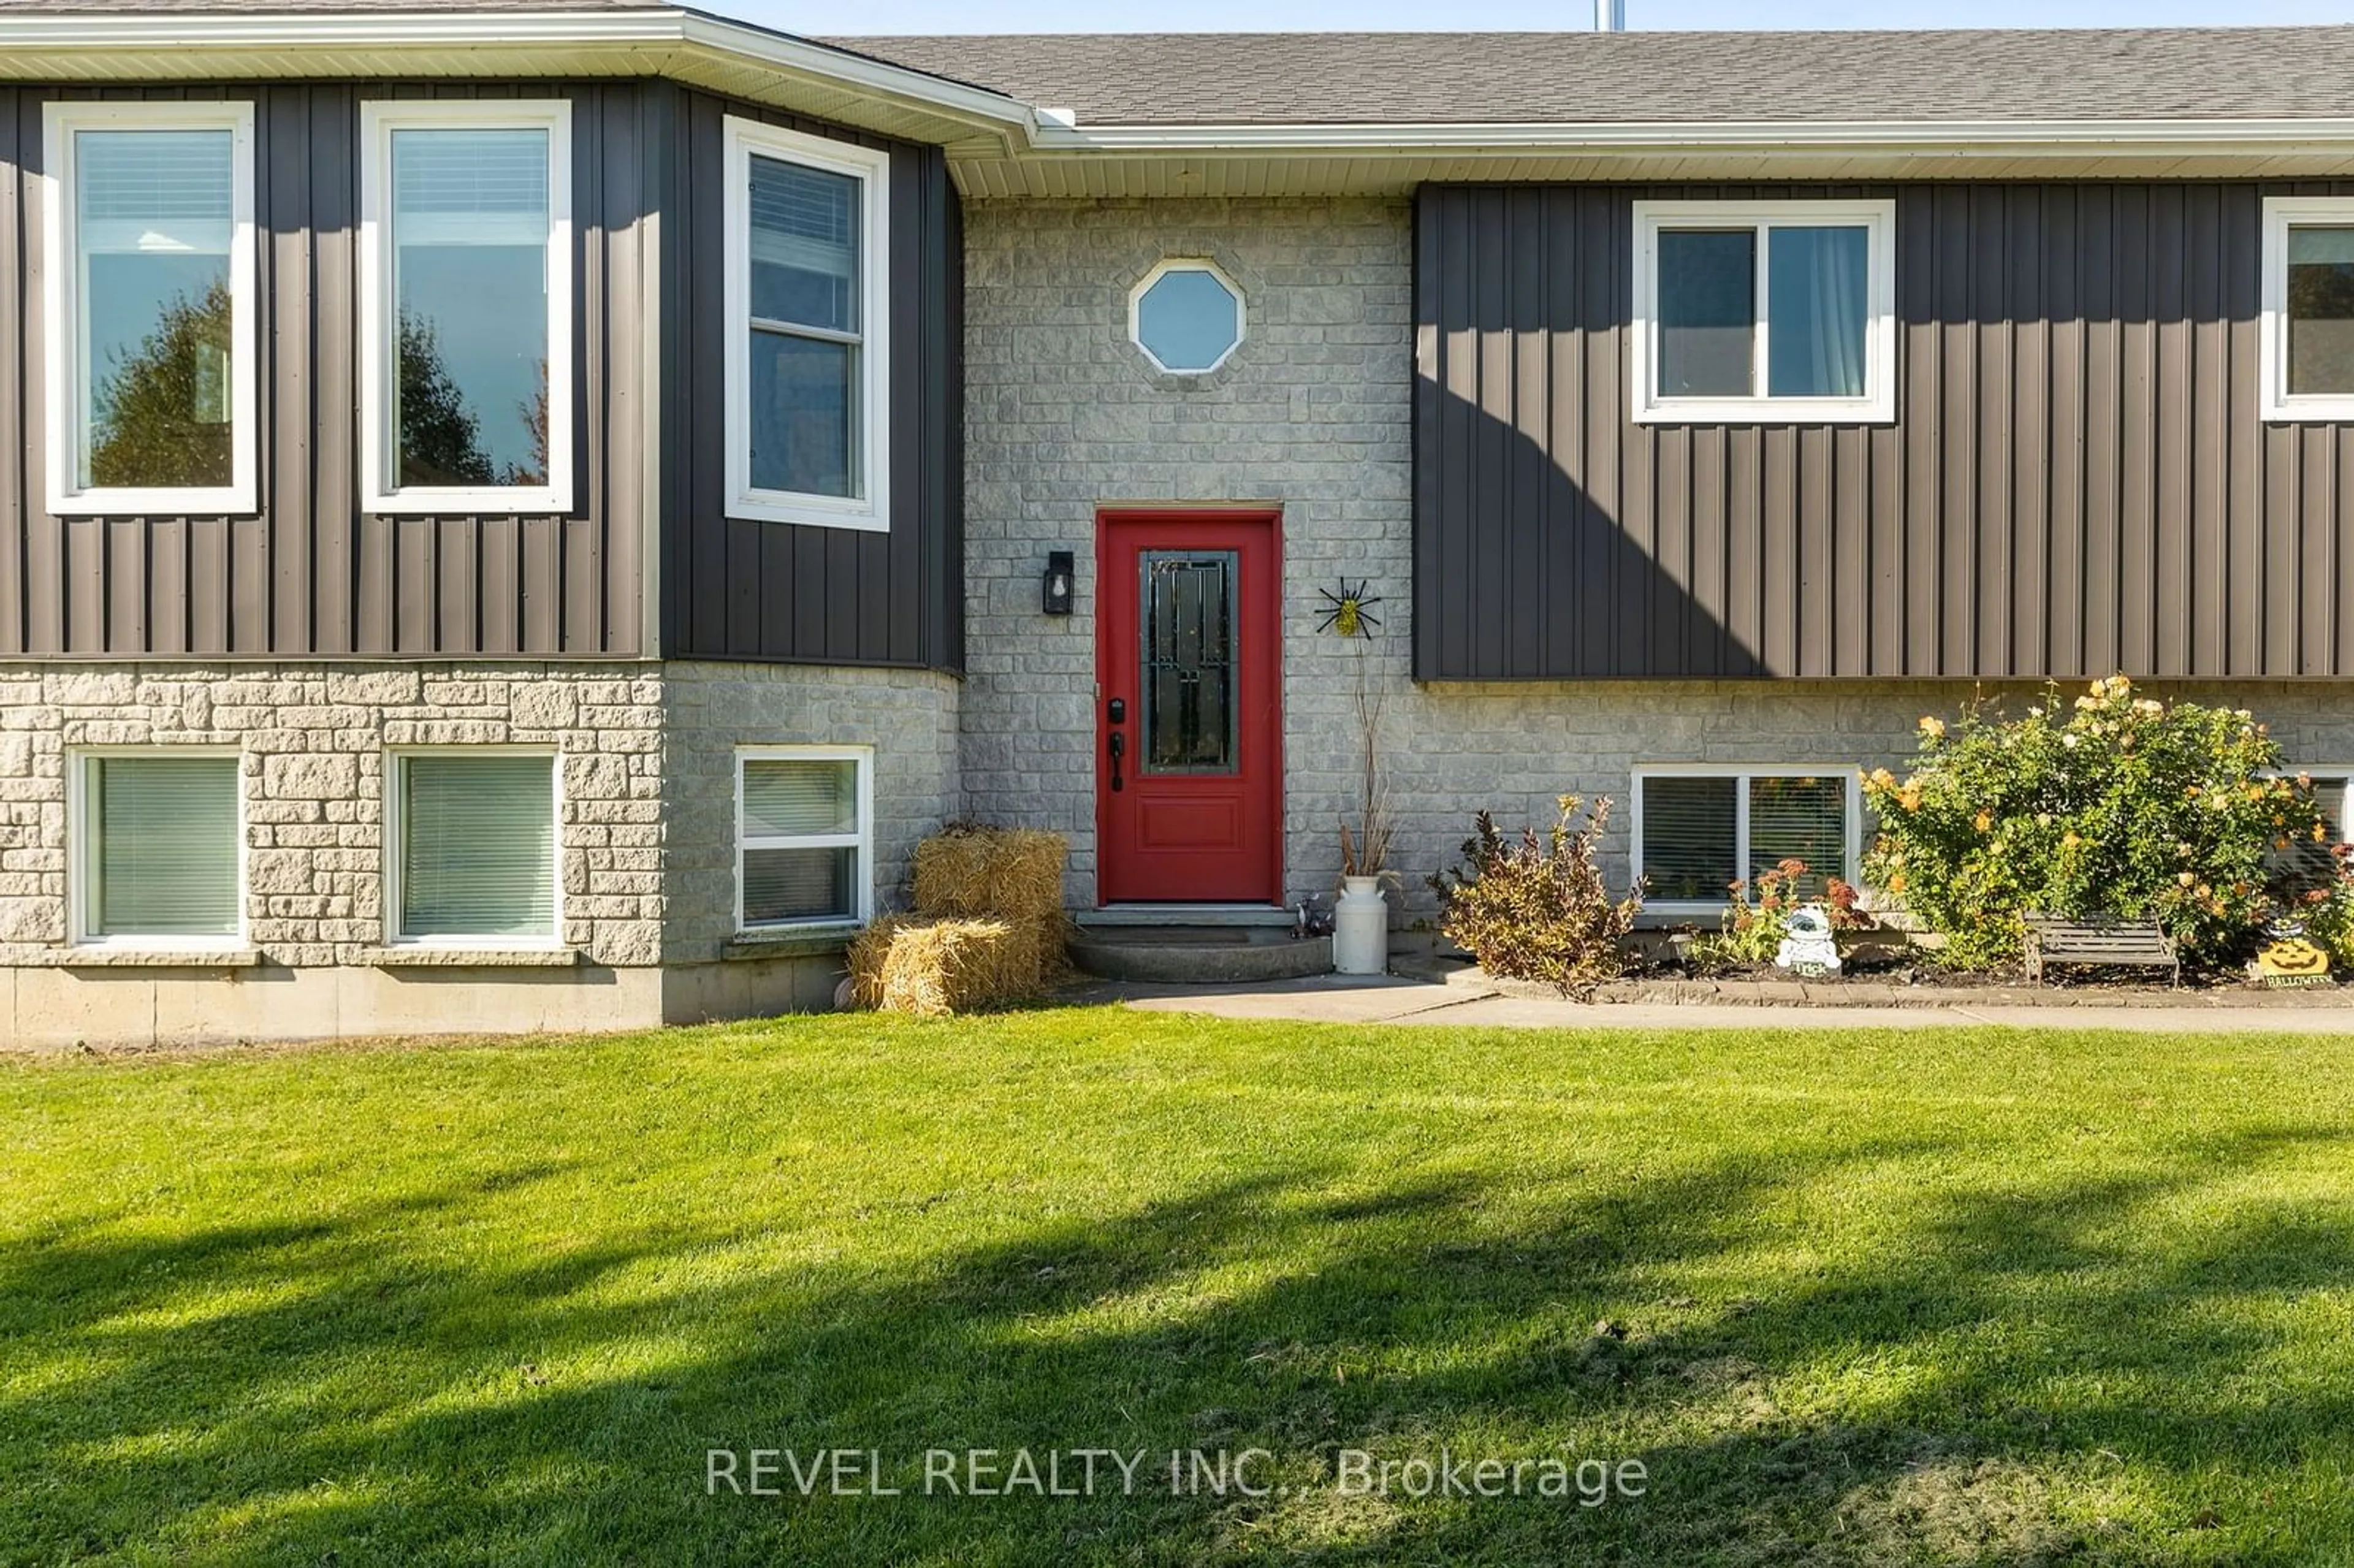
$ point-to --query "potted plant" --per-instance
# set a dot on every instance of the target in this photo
(1361, 917)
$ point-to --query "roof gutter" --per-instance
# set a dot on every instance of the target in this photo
(646, 37)
(2008, 137)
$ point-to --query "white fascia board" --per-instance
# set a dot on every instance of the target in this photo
(647, 35)
(1960, 138)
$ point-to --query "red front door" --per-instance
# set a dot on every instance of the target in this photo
(1189, 760)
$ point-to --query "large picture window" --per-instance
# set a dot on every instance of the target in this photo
(1697, 831)
(802, 835)
(2305, 350)
(1780, 310)
(159, 853)
(474, 848)
(149, 304)
(466, 301)
(807, 359)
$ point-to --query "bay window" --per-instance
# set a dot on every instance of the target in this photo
(466, 306)
(806, 299)
(148, 301)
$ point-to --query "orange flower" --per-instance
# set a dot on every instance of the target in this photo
(1985, 821)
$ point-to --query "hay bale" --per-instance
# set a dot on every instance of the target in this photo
(1005, 873)
(937, 969)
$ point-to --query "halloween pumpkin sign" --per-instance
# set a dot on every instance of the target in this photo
(2291, 957)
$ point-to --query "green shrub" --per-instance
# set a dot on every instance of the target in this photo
(1538, 909)
(2328, 912)
(1751, 934)
(2113, 803)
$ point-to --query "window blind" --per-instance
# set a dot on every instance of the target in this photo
(797, 796)
(800, 885)
(167, 845)
(1798, 819)
(1688, 826)
(478, 846)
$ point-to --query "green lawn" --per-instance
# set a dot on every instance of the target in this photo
(1941, 1296)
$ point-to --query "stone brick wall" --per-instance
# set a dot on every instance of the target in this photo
(647, 831)
(1312, 414)
(1066, 414)
(908, 717)
(313, 739)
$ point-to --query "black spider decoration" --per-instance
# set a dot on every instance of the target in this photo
(1348, 615)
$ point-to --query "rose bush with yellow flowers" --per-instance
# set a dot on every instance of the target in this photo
(2112, 803)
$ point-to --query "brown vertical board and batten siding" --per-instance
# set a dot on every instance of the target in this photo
(308, 573)
(776, 591)
(2076, 479)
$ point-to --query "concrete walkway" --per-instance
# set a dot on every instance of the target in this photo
(1389, 999)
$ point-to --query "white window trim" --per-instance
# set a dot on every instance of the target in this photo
(61, 327)
(1876, 407)
(1851, 850)
(863, 840)
(2272, 339)
(83, 850)
(395, 827)
(379, 469)
(871, 508)
(1187, 264)
(2319, 770)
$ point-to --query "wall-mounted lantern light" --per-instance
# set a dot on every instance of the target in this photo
(1058, 582)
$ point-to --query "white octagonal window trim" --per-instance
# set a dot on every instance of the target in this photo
(1187, 316)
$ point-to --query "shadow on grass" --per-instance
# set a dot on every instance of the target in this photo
(1969, 1390)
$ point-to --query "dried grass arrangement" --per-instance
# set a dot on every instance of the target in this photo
(988, 929)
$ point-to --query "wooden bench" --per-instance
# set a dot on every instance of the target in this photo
(2097, 940)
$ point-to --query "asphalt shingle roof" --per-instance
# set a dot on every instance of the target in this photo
(1178, 79)
(1565, 78)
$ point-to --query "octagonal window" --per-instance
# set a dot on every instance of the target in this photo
(1187, 316)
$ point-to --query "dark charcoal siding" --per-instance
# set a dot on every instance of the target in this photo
(758, 591)
(310, 574)
(2077, 481)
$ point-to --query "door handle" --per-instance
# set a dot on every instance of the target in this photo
(1119, 749)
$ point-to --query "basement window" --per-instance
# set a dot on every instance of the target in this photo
(1697, 829)
(1776, 311)
(2306, 346)
(473, 850)
(808, 302)
(150, 307)
(803, 836)
(2311, 863)
(159, 848)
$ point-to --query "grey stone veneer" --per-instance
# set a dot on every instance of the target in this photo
(646, 840)
(1312, 414)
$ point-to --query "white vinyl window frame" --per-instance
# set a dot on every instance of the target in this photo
(2344, 804)
(1187, 264)
(1877, 217)
(396, 849)
(2277, 405)
(1851, 836)
(64, 333)
(870, 508)
(862, 840)
(84, 848)
(379, 464)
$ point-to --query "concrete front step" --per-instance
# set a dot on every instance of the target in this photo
(1199, 954)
